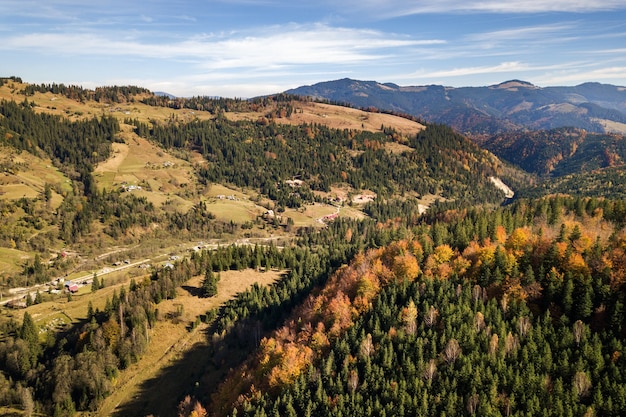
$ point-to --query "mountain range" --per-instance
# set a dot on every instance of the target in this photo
(509, 106)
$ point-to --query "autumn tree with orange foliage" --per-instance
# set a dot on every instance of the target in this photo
(323, 317)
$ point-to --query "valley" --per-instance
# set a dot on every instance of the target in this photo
(285, 256)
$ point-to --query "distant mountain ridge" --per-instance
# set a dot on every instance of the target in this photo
(509, 106)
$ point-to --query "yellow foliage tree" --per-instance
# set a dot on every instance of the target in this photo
(500, 234)
(406, 267)
(576, 262)
(518, 240)
(409, 317)
(443, 254)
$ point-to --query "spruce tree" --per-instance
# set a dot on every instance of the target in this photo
(95, 284)
(209, 285)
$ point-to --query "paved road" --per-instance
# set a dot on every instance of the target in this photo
(87, 279)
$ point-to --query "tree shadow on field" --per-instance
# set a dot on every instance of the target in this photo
(159, 396)
(197, 372)
(193, 291)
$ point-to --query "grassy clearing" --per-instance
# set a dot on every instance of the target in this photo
(163, 177)
(240, 211)
(339, 118)
(612, 126)
(11, 260)
(173, 342)
(28, 175)
(313, 214)
(308, 215)
(397, 148)
(170, 203)
(352, 213)
(17, 191)
(216, 190)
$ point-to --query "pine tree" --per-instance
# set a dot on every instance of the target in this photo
(209, 285)
(30, 334)
(95, 284)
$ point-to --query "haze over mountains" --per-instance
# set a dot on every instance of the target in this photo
(508, 106)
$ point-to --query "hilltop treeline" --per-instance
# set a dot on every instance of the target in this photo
(216, 105)
(108, 94)
(78, 145)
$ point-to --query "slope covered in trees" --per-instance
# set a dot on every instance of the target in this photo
(559, 152)
(571, 161)
(527, 320)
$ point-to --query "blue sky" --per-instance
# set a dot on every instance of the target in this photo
(244, 48)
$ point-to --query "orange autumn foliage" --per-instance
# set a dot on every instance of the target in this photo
(618, 263)
(500, 234)
(406, 266)
(443, 254)
(290, 362)
(582, 244)
(561, 248)
(437, 264)
(513, 289)
(324, 315)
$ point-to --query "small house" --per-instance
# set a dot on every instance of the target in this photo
(71, 286)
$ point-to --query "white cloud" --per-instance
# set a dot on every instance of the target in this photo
(461, 72)
(269, 47)
(396, 8)
(523, 33)
(515, 67)
(613, 75)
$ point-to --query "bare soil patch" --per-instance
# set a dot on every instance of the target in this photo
(364, 198)
(119, 154)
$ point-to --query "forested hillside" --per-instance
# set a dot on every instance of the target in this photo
(385, 306)
(264, 156)
(527, 318)
(559, 152)
(572, 161)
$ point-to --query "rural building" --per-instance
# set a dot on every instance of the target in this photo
(71, 286)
